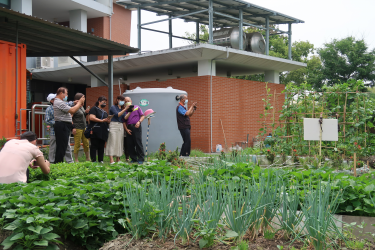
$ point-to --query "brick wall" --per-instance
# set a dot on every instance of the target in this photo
(238, 103)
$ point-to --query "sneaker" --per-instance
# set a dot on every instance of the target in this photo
(140, 162)
(133, 161)
(112, 162)
(119, 162)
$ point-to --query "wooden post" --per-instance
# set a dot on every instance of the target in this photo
(274, 107)
(346, 99)
(364, 104)
(355, 165)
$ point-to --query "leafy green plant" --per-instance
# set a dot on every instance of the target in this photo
(162, 155)
(140, 211)
(2, 142)
(30, 231)
(269, 235)
(209, 213)
(318, 208)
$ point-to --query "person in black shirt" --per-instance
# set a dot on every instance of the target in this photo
(99, 129)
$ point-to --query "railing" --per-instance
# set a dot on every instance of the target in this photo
(39, 109)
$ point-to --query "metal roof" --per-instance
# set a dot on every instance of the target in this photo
(224, 11)
(44, 38)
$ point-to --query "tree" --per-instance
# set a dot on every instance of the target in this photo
(278, 48)
(342, 60)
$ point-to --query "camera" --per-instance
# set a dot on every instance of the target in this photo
(131, 107)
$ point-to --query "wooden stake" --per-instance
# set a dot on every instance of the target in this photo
(355, 164)
(225, 139)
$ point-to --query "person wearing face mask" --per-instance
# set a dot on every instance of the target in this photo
(183, 122)
(79, 121)
(63, 121)
(115, 141)
(99, 129)
(133, 118)
(17, 155)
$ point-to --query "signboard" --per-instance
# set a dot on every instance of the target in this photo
(311, 129)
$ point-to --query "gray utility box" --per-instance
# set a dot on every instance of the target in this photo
(163, 126)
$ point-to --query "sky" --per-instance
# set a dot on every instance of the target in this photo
(324, 20)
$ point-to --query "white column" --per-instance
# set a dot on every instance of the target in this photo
(204, 68)
(22, 6)
(271, 76)
(78, 21)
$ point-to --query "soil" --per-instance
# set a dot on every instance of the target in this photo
(122, 242)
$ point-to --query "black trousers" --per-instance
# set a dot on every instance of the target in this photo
(62, 133)
(97, 145)
(186, 146)
(126, 151)
(134, 143)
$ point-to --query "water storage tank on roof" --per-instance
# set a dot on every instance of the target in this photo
(163, 126)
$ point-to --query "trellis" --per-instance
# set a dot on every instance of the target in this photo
(352, 108)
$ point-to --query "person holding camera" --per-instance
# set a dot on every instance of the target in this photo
(63, 121)
(133, 118)
(17, 155)
(183, 122)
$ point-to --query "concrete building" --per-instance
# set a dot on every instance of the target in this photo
(202, 70)
(234, 102)
(103, 18)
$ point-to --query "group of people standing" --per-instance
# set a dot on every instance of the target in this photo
(111, 134)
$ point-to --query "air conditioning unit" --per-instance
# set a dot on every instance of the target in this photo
(44, 62)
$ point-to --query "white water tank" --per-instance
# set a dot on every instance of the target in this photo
(163, 126)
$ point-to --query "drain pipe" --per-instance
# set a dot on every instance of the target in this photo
(16, 116)
(216, 59)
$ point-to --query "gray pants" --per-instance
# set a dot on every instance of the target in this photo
(52, 151)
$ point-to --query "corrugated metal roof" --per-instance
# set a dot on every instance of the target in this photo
(44, 38)
(252, 14)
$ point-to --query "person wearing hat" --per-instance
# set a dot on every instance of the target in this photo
(50, 121)
(17, 155)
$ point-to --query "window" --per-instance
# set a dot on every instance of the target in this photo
(5, 3)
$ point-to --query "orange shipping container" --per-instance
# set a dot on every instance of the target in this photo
(8, 88)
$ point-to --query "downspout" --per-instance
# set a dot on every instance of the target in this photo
(216, 59)
(16, 116)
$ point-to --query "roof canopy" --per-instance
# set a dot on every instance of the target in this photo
(45, 38)
(225, 11)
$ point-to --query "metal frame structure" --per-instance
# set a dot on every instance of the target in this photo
(47, 39)
(215, 14)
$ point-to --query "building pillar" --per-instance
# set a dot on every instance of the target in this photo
(290, 41)
(139, 28)
(241, 30)
(272, 76)
(78, 21)
(204, 68)
(170, 32)
(197, 32)
(211, 22)
(267, 36)
(110, 80)
(22, 6)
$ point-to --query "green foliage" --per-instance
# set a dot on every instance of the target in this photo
(162, 155)
(84, 205)
(302, 101)
(343, 60)
(2, 142)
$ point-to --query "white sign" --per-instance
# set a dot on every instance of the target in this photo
(311, 129)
